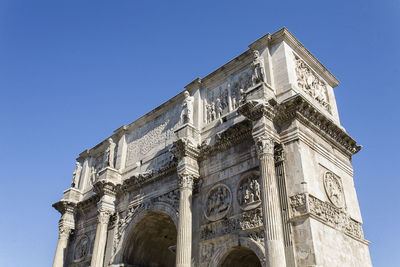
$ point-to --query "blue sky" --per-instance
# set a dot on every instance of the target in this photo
(71, 72)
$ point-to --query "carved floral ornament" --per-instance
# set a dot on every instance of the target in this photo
(248, 192)
(218, 202)
(81, 248)
(264, 146)
(309, 82)
(334, 189)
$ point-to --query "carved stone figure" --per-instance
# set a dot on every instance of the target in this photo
(218, 106)
(76, 174)
(218, 202)
(109, 154)
(311, 83)
(249, 192)
(258, 68)
(187, 108)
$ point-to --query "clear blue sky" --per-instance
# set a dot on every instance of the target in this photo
(71, 72)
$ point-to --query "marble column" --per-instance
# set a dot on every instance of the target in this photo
(62, 244)
(274, 245)
(100, 239)
(66, 226)
(184, 239)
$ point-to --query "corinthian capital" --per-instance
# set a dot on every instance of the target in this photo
(264, 146)
(104, 216)
(186, 180)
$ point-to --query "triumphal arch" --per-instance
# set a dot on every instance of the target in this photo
(248, 166)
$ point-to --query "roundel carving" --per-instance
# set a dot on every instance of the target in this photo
(334, 189)
(81, 248)
(248, 192)
(218, 202)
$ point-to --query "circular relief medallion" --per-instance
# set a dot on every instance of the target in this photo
(248, 192)
(81, 248)
(334, 189)
(218, 202)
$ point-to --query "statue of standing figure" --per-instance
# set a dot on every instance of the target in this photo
(258, 68)
(109, 154)
(187, 109)
(76, 174)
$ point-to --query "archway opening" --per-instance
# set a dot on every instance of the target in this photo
(152, 242)
(240, 257)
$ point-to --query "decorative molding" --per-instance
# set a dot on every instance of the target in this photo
(297, 107)
(256, 109)
(307, 205)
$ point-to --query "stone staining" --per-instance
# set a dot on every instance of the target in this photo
(249, 192)
(311, 83)
(81, 249)
(334, 189)
(218, 202)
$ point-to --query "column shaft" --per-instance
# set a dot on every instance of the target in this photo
(100, 239)
(274, 246)
(184, 239)
(62, 244)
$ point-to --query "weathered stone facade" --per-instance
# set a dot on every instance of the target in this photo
(249, 166)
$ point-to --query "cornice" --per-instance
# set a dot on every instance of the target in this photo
(254, 110)
(297, 107)
(228, 138)
(184, 147)
(137, 181)
(285, 35)
(63, 206)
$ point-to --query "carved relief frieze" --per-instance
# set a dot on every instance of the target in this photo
(248, 192)
(143, 140)
(218, 202)
(241, 222)
(308, 205)
(310, 83)
(334, 189)
(82, 248)
(257, 236)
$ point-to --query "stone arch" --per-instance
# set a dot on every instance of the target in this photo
(244, 242)
(161, 208)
